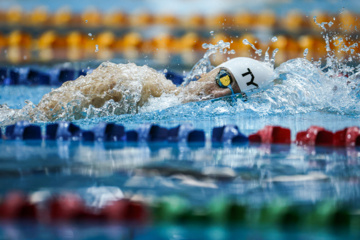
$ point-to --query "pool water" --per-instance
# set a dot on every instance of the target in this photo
(252, 175)
(110, 232)
(255, 175)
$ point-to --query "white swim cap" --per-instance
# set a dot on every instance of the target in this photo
(250, 74)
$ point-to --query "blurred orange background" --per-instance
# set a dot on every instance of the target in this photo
(170, 32)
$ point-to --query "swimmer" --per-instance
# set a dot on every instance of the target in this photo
(132, 86)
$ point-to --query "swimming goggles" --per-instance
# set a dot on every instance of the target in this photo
(224, 80)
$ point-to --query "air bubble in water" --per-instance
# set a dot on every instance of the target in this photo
(96, 48)
(90, 34)
(274, 39)
(212, 33)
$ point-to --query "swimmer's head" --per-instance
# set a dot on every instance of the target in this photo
(248, 73)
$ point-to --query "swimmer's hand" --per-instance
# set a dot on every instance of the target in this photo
(206, 88)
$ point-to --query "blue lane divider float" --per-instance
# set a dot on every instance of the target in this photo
(152, 133)
(105, 132)
(33, 76)
(36, 77)
(109, 132)
(55, 76)
(186, 133)
(3, 74)
(228, 134)
(23, 130)
(63, 131)
(176, 78)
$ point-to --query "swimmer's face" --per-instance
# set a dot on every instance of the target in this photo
(214, 89)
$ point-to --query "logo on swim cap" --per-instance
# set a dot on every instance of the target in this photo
(223, 79)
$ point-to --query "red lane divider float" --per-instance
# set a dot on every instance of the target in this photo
(16, 205)
(64, 208)
(348, 137)
(125, 211)
(70, 207)
(272, 134)
(318, 136)
(315, 136)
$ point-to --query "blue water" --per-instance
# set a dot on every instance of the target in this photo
(256, 175)
(250, 174)
(78, 231)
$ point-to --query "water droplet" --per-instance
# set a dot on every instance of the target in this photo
(272, 60)
(96, 48)
(306, 51)
(204, 64)
(274, 39)
(258, 52)
(211, 33)
(266, 59)
(86, 21)
(90, 34)
(246, 42)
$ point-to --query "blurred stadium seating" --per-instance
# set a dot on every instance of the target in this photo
(43, 36)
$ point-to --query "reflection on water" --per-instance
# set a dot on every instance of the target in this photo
(256, 174)
(172, 232)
